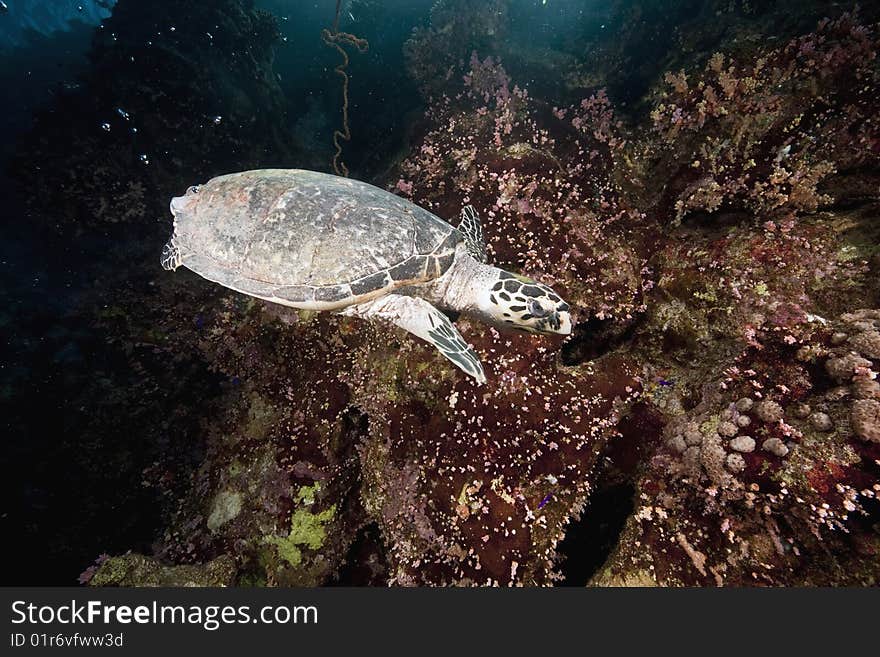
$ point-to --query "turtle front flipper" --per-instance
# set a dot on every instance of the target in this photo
(426, 322)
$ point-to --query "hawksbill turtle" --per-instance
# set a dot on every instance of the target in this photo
(316, 241)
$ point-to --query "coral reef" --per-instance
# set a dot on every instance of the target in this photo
(734, 329)
(546, 179)
(764, 136)
(341, 425)
(433, 53)
(720, 257)
(348, 433)
(757, 413)
(769, 478)
(766, 474)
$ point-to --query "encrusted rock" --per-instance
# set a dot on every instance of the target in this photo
(745, 404)
(809, 353)
(838, 338)
(692, 435)
(837, 393)
(866, 343)
(821, 422)
(743, 421)
(801, 410)
(862, 315)
(225, 507)
(735, 463)
(677, 444)
(775, 446)
(712, 456)
(691, 460)
(864, 387)
(769, 411)
(842, 369)
(727, 429)
(865, 418)
(743, 444)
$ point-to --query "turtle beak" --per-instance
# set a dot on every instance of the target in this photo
(557, 322)
(179, 204)
(182, 203)
(562, 323)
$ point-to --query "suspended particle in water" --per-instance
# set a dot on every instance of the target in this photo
(144, 158)
(105, 126)
(121, 112)
(217, 119)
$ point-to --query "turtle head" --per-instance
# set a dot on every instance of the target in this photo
(524, 304)
(181, 204)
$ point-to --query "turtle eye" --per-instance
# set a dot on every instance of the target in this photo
(536, 309)
(193, 190)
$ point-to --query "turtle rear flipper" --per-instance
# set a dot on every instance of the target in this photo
(171, 258)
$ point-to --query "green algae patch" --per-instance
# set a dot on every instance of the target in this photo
(307, 529)
(710, 427)
(140, 570)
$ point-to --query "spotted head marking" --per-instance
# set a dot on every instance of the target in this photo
(524, 304)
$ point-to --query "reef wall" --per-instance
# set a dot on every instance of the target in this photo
(719, 251)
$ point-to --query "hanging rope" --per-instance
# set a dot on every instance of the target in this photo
(337, 39)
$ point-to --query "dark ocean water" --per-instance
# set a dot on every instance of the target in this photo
(111, 108)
